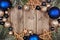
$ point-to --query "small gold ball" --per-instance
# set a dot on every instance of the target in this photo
(7, 24)
(30, 32)
(4, 19)
(48, 5)
(10, 32)
(6, 12)
(26, 7)
(1, 13)
(54, 23)
(44, 9)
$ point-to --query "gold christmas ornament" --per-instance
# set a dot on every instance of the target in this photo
(48, 5)
(44, 9)
(26, 7)
(30, 32)
(4, 19)
(54, 23)
(10, 32)
(7, 24)
(6, 12)
(1, 13)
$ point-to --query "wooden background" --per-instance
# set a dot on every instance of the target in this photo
(34, 20)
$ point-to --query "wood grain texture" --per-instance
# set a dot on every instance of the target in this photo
(31, 20)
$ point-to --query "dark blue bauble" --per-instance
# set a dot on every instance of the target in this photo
(58, 20)
(2, 23)
(19, 7)
(25, 37)
(48, 1)
(10, 28)
(5, 4)
(6, 15)
(34, 37)
(54, 12)
(43, 4)
(1, 17)
(52, 28)
(38, 7)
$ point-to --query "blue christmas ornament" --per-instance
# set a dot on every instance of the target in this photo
(54, 12)
(34, 37)
(5, 4)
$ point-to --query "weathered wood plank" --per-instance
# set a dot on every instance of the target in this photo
(21, 21)
(30, 20)
(39, 22)
(14, 19)
(45, 21)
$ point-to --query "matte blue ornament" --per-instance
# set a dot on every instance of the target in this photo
(5, 4)
(34, 37)
(54, 12)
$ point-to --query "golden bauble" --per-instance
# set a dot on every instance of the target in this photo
(44, 9)
(54, 23)
(30, 31)
(26, 7)
(48, 5)
(10, 32)
(4, 19)
(7, 24)
(1, 13)
(6, 12)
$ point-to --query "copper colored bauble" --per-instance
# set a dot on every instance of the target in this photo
(7, 24)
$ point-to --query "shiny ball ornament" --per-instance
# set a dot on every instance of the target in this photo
(38, 7)
(52, 28)
(54, 12)
(34, 37)
(7, 24)
(44, 9)
(1, 18)
(10, 28)
(26, 7)
(48, 1)
(2, 23)
(6, 12)
(43, 4)
(10, 32)
(4, 19)
(1, 13)
(6, 15)
(25, 37)
(30, 32)
(48, 5)
(19, 7)
(58, 20)
(54, 23)
(5, 4)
